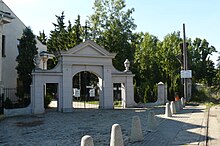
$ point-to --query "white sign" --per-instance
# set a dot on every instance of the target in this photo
(76, 92)
(186, 73)
(92, 92)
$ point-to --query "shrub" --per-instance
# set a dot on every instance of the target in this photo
(47, 100)
(8, 103)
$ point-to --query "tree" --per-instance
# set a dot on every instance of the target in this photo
(217, 76)
(63, 37)
(58, 39)
(27, 50)
(168, 53)
(203, 67)
(111, 27)
(42, 38)
(148, 72)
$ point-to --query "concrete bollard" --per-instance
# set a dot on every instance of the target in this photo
(180, 104)
(151, 122)
(177, 106)
(87, 141)
(183, 102)
(173, 107)
(116, 136)
(136, 130)
(168, 111)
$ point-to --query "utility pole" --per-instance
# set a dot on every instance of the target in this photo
(185, 62)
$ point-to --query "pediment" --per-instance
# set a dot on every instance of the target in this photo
(89, 48)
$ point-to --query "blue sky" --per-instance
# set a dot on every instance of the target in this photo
(158, 17)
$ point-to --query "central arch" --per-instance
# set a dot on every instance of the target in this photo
(86, 89)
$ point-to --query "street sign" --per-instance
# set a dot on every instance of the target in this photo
(186, 73)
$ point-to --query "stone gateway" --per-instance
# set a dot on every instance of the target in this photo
(90, 57)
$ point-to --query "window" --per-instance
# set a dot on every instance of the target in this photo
(3, 46)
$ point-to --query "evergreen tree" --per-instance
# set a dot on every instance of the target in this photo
(27, 50)
(63, 37)
(42, 38)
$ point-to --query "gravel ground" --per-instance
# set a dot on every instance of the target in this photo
(54, 128)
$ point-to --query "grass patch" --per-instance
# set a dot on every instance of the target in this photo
(118, 103)
(93, 102)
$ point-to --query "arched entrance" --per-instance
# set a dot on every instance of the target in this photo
(85, 90)
(93, 60)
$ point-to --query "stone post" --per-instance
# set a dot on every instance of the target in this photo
(116, 136)
(161, 99)
(151, 122)
(87, 141)
(168, 111)
(173, 107)
(136, 130)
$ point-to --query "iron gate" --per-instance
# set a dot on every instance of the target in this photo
(1, 103)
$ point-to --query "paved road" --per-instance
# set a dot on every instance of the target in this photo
(188, 127)
(214, 126)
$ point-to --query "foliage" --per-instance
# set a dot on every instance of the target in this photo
(47, 100)
(63, 37)
(217, 76)
(42, 38)
(146, 60)
(203, 67)
(27, 50)
(205, 94)
(8, 104)
(152, 60)
(111, 27)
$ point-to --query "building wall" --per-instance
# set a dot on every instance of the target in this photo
(12, 31)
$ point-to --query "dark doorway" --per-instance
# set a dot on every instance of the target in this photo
(51, 95)
(117, 94)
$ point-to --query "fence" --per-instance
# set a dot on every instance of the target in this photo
(11, 100)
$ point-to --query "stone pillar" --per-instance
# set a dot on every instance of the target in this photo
(161, 93)
(123, 95)
(37, 95)
(165, 93)
(129, 92)
(67, 89)
(107, 102)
